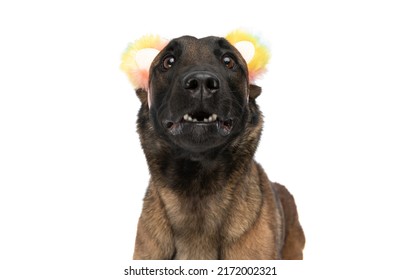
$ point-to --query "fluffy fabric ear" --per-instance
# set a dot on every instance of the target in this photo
(252, 50)
(138, 57)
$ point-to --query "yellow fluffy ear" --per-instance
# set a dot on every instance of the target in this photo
(252, 50)
(138, 57)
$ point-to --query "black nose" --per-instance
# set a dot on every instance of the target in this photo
(201, 84)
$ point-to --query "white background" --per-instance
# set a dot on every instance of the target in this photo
(73, 175)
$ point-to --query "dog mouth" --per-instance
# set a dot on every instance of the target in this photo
(200, 122)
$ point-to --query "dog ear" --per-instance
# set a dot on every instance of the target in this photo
(138, 57)
(252, 50)
(254, 91)
(142, 95)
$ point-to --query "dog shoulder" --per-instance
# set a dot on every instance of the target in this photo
(294, 235)
(154, 238)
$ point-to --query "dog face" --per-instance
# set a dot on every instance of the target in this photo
(198, 93)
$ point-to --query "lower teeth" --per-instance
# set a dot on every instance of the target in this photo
(211, 118)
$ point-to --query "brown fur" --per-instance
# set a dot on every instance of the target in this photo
(219, 207)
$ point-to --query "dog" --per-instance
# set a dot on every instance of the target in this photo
(199, 127)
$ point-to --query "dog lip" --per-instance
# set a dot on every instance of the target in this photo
(225, 126)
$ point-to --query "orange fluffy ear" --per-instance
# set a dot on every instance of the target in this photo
(252, 50)
(138, 57)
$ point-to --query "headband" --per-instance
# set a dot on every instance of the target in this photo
(138, 56)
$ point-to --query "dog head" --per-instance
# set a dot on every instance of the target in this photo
(198, 93)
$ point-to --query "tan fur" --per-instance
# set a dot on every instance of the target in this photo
(256, 229)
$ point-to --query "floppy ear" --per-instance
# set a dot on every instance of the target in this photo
(254, 91)
(252, 50)
(138, 57)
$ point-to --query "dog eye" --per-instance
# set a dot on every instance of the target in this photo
(228, 62)
(168, 62)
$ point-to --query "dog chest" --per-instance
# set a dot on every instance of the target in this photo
(196, 224)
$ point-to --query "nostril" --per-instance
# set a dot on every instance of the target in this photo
(191, 84)
(201, 84)
(212, 83)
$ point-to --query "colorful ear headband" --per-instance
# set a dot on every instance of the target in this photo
(138, 57)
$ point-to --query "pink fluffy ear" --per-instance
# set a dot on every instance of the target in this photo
(138, 57)
(255, 53)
